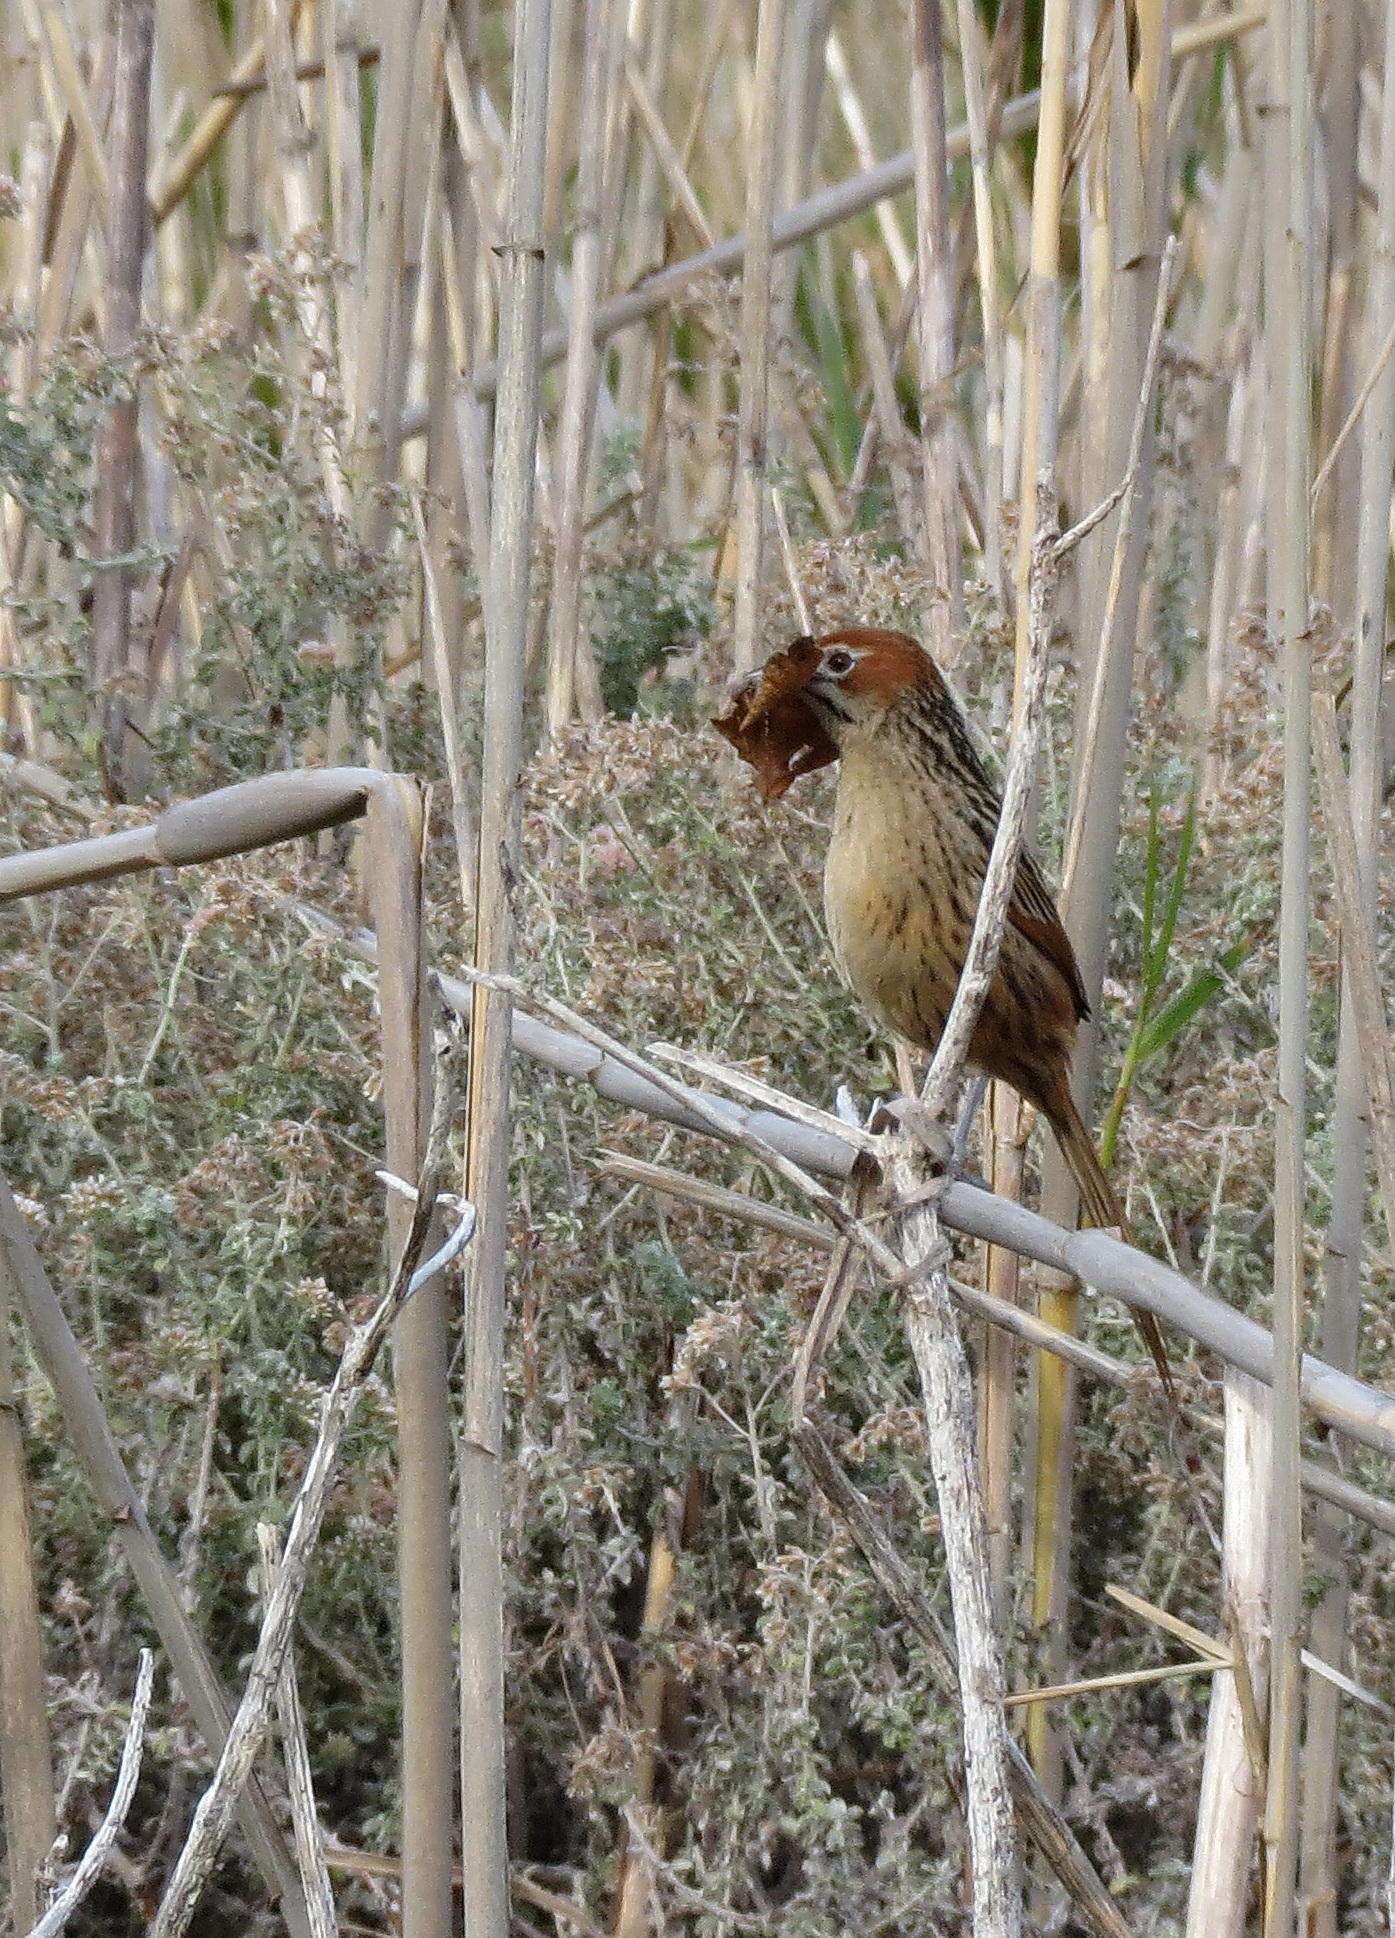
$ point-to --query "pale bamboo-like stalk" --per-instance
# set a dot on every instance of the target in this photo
(753, 429)
(985, 243)
(935, 332)
(571, 670)
(484, 1842)
(855, 121)
(886, 412)
(1350, 1138)
(395, 836)
(114, 500)
(1337, 330)
(1040, 432)
(1122, 1272)
(26, 1756)
(1232, 1788)
(1287, 282)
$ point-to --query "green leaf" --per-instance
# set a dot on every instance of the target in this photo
(1155, 961)
(1190, 1000)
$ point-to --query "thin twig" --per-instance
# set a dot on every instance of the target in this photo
(94, 1858)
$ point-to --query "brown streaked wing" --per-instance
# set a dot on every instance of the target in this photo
(1032, 912)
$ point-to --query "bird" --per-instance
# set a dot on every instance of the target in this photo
(914, 819)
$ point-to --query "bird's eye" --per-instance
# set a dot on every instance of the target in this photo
(839, 663)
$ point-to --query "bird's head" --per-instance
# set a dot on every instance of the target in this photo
(816, 696)
(856, 675)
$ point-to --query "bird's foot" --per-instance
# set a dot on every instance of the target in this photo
(945, 1154)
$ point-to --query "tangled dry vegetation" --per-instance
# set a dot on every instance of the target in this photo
(191, 1080)
(189, 1108)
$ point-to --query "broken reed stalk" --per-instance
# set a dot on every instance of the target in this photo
(214, 1812)
(26, 1756)
(1232, 1783)
(484, 1841)
(395, 832)
(93, 1860)
(1341, 1315)
(300, 1782)
(1287, 273)
(754, 422)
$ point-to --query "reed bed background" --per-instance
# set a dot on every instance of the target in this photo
(466, 394)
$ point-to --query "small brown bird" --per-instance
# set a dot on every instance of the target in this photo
(914, 823)
(915, 818)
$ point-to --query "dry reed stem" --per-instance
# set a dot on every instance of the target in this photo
(26, 1757)
(483, 1829)
(754, 428)
(573, 683)
(394, 836)
(114, 497)
(1287, 259)
(300, 1782)
(94, 1858)
(1231, 1788)
(1341, 1317)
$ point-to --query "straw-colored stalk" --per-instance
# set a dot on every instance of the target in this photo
(753, 428)
(114, 499)
(1342, 1300)
(1127, 171)
(1227, 1817)
(935, 319)
(985, 243)
(1040, 408)
(395, 834)
(1287, 267)
(26, 1757)
(572, 678)
(484, 1843)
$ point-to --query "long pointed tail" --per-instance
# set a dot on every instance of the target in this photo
(1101, 1206)
(1097, 1195)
